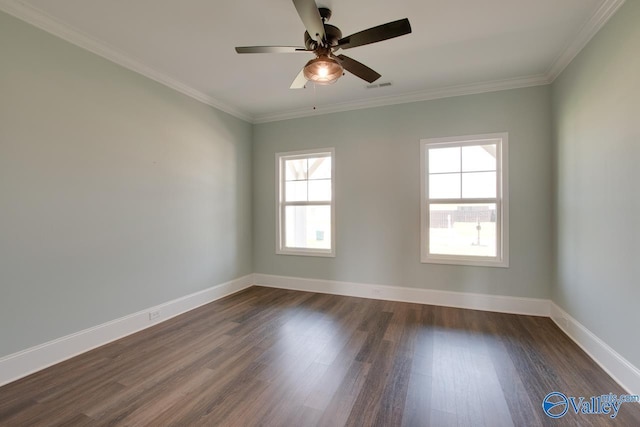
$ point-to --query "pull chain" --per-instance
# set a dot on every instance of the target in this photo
(315, 96)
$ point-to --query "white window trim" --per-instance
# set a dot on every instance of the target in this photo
(281, 249)
(502, 169)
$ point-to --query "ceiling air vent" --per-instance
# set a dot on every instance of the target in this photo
(375, 86)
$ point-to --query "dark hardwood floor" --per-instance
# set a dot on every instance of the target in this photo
(284, 358)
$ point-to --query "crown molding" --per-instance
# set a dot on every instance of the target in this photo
(48, 23)
(586, 33)
(417, 96)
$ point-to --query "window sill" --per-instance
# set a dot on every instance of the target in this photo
(302, 252)
(466, 262)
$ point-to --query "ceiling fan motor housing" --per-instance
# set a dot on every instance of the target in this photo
(332, 34)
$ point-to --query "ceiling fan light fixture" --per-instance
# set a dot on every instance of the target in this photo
(323, 70)
(323, 40)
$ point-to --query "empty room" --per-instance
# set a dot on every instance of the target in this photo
(319, 213)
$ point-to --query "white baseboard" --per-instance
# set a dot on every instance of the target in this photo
(618, 368)
(497, 303)
(26, 362)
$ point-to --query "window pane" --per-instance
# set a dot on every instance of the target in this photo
(445, 186)
(296, 191)
(320, 168)
(444, 160)
(295, 169)
(308, 227)
(320, 190)
(479, 158)
(463, 229)
(479, 184)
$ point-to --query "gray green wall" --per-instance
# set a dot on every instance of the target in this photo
(116, 193)
(378, 197)
(596, 111)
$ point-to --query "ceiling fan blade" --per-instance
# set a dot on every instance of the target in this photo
(310, 16)
(376, 34)
(271, 49)
(358, 69)
(299, 82)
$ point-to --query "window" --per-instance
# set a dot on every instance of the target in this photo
(305, 217)
(464, 212)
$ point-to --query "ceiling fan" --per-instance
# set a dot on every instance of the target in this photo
(323, 40)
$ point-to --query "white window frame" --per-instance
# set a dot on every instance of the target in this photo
(281, 204)
(501, 200)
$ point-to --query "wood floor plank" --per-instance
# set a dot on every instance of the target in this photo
(339, 408)
(522, 410)
(417, 409)
(278, 357)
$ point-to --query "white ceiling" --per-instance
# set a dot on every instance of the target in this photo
(457, 46)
